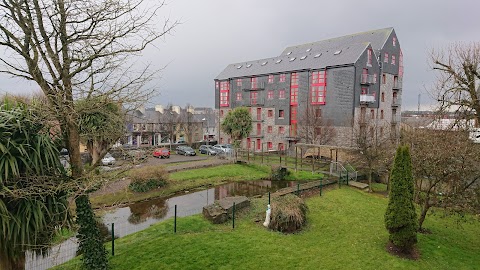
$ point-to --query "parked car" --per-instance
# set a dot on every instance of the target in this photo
(186, 151)
(135, 155)
(161, 153)
(108, 159)
(225, 148)
(208, 149)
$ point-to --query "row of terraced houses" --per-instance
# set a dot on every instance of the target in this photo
(348, 81)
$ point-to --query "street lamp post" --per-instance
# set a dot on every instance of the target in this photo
(205, 133)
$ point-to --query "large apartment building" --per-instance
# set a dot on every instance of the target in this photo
(352, 82)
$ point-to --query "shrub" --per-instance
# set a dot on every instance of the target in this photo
(400, 217)
(148, 178)
(278, 173)
(289, 214)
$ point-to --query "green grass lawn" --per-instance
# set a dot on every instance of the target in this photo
(345, 231)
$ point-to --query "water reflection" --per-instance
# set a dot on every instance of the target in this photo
(140, 215)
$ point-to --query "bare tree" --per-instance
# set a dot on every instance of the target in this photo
(446, 169)
(315, 129)
(376, 149)
(458, 80)
(79, 49)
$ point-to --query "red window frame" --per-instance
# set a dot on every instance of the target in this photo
(270, 78)
(224, 94)
(270, 113)
(281, 130)
(259, 144)
(281, 147)
(393, 59)
(293, 114)
(281, 114)
(269, 129)
(269, 145)
(253, 98)
(259, 129)
(283, 77)
(372, 114)
(239, 82)
(383, 97)
(369, 57)
(249, 143)
(294, 79)
(259, 113)
(239, 96)
(253, 82)
(385, 58)
(281, 94)
(294, 96)
(293, 129)
(318, 88)
(364, 90)
(270, 94)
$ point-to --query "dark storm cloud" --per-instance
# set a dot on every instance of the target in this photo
(216, 33)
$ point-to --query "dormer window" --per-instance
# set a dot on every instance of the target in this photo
(394, 41)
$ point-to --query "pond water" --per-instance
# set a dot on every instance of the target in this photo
(139, 216)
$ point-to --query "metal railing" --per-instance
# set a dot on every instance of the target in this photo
(367, 98)
(367, 79)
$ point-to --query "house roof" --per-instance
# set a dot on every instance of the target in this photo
(376, 37)
(317, 55)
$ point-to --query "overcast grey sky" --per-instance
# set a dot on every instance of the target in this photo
(215, 33)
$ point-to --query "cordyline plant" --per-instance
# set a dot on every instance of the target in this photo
(33, 190)
(80, 49)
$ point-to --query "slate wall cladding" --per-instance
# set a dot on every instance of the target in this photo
(344, 86)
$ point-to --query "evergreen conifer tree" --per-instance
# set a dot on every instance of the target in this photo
(401, 217)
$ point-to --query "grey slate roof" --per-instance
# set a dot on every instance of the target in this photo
(376, 37)
(351, 47)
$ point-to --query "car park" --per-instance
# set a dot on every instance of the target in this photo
(208, 150)
(161, 153)
(186, 151)
(108, 159)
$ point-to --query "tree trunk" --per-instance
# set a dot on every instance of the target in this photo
(7, 263)
(369, 177)
(73, 145)
(423, 213)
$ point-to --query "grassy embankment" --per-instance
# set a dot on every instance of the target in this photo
(345, 231)
(198, 179)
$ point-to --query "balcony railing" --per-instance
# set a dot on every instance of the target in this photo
(257, 134)
(397, 85)
(258, 86)
(367, 79)
(395, 119)
(367, 98)
(396, 102)
(254, 102)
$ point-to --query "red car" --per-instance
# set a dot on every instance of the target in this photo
(161, 153)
